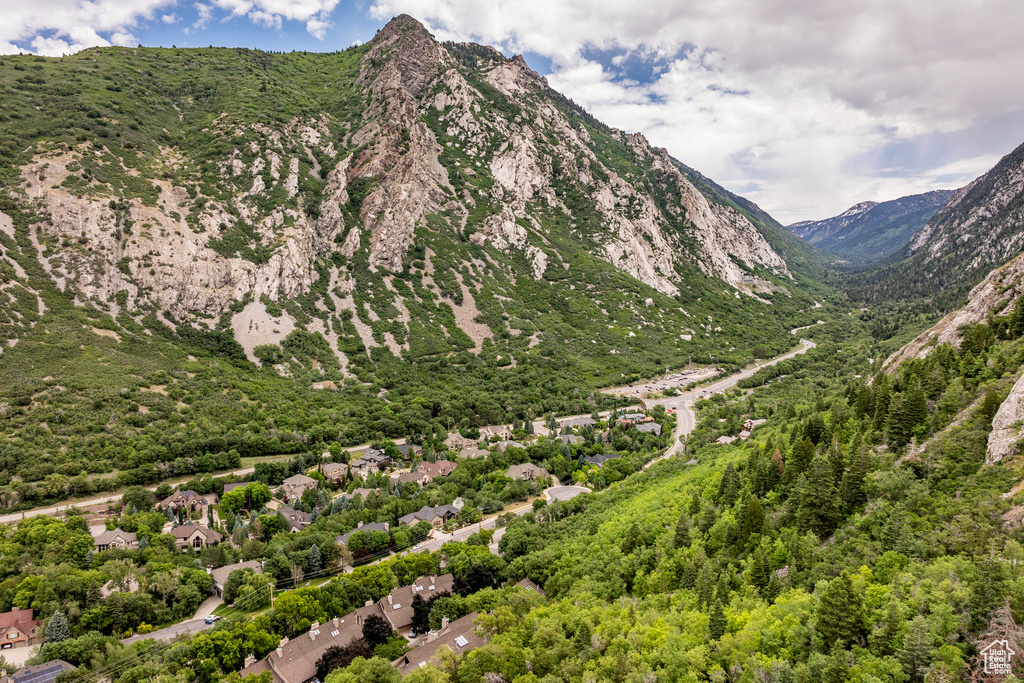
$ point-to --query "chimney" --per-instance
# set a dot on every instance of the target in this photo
(431, 636)
(368, 603)
(314, 626)
(387, 526)
(390, 599)
(444, 623)
(359, 525)
(250, 659)
(209, 569)
(280, 646)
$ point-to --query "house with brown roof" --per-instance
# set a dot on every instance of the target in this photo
(459, 636)
(195, 537)
(294, 661)
(115, 538)
(297, 520)
(421, 478)
(190, 500)
(633, 418)
(294, 486)
(472, 452)
(571, 439)
(527, 472)
(397, 605)
(531, 586)
(410, 450)
(18, 628)
(39, 673)
(578, 422)
(221, 574)
(649, 427)
(495, 431)
(441, 468)
(334, 471)
(372, 461)
(437, 516)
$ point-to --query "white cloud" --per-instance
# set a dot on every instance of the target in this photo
(823, 85)
(203, 15)
(56, 27)
(170, 18)
(271, 13)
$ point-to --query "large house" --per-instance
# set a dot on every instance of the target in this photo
(115, 538)
(527, 472)
(410, 450)
(195, 537)
(650, 428)
(473, 453)
(221, 574)
(334, 471)
(598, 460)
(578, 422)
(458, 636)
(371, 462)
(294, 486)
(437, 516)
(39, 673)
(370, 526)
(633, 418)
(297, 520)
(421, 478)
(571, 439)
(294, 661)
(397, 605)
(190, 500)
(441, 468)
(18, 628)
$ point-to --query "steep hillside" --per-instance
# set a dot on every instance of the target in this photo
(426, 225)
(872, 231)
(979, 228)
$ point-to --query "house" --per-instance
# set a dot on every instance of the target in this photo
(421, 478)
(297, 520)
(334, 471)
(531, 586)
(751, 425)
(372, 461)
(599, 460)
(579, 422)
(190, 500)
(649, 427)
(473, 453)
(369, 526)
(441, 468)
(454, 441)
(221, 574)
(18, 628)
(294, 486)
(437, 516)
(115, 538)
(410, 450)
(195, 537)
(397, 605)
(236, 485)
(294, 661)
(459, 636)
(505, 445)
(527, 472)
(725, 439)
(632, 419)
(744, 434)
(571, 438)
(39, 673)
(500, 432)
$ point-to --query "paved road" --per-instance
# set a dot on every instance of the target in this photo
(193, 625)
(559, 493)
(686, 419)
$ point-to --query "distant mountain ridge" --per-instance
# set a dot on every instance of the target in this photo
(872, 231)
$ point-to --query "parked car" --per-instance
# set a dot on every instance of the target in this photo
(213, 619)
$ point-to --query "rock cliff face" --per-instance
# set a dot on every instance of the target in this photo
(996, 294)
(1006, 426)
(408, 192)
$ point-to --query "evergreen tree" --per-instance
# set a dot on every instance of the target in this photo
(729, 486)
(705, 585)
(897, 428)
(883, 394)
(840, 612)
(800, 458)
(752, 521)
(915, 410)
(93, 594)
(915, 656)
(682, 537)
(758, 573)
(717, 622)
(818, 499)
(315, 559)
(632, 540)
(88, 557)
(853, 481)
(143, 543)
(529, 427)
(836, 461)
(57, 629)
(885, 638)
(837, 670)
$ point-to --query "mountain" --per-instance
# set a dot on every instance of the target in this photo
(978, 229)
(872, 231)
(428, 228)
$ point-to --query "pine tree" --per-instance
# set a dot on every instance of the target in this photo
(529, 427)
(885, 639)
(837, 670)
(315, 559)
(58, 628)
(915, 655)
(819, 509)
(752, 521)
(93, 594)
(896, 426)
(705, 585)
(143, 543)
(88, 557)
(853, 481)
(682, 538)
(758, 574)
(916, 410)
(632, 540)
(883, 394)
(717, 621)
(800, 458)
(728, 487)
(840, 612)
(837, 461)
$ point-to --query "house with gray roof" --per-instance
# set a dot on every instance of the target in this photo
(601, 459)
(527, 472)
(115, 538)
(459, 636)
(297, 520)
(649, 428)
(221, 574)
(437, 516)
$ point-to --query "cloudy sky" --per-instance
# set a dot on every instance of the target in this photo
(804, 106)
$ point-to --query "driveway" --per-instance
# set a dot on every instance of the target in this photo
(557, 494)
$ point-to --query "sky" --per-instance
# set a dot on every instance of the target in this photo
(804, 106)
